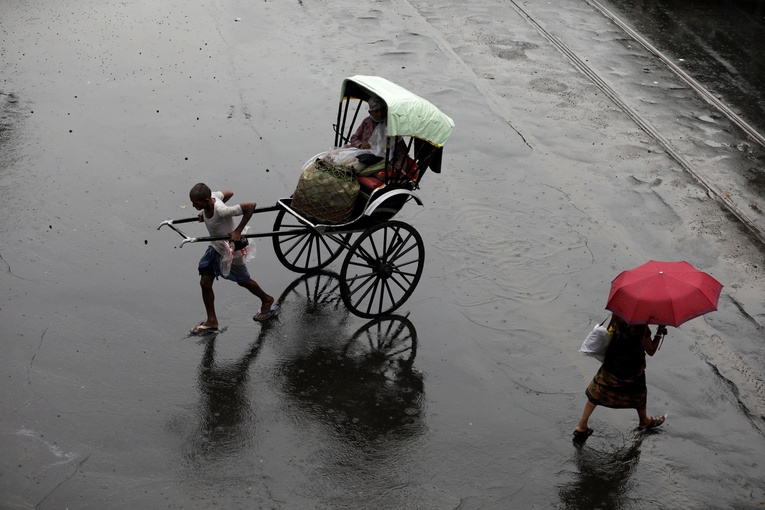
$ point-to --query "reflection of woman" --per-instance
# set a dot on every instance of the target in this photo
(620, 382)
(605, 478)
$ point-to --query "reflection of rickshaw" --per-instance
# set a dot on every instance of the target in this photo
(358, 375)
(359, 378)
(384, 263)
(386, 344)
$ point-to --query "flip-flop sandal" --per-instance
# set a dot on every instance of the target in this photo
(201, 329)
(264, 316)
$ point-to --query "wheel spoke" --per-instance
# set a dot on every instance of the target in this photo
(364, 264)
(299, 243)
(371, 300)
(388, 288)
(396, 339)
(398, 331)
(298, 238)
(371, 286)
(370, 341)
(365, 255)
(407, 263)
(402, 254)
(399, 253)
(323, 239)
(305, 245)
(367, 278)
(407, 277)
(381, 338)
(396, 241)
(393, 354)
(311, 246)
(375, 255)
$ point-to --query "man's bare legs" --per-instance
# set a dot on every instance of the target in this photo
(208, 297)
(265, 300)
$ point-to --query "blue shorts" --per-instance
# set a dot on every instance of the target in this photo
(209, 265)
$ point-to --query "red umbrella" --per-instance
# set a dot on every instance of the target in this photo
(667, 293)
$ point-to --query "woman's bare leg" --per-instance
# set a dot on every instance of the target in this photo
(589, 407)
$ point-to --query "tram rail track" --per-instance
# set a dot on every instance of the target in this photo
(712, 190)
(689, 80)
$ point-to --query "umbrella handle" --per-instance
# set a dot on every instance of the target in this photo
(661, 330)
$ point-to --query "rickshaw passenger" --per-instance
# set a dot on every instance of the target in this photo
(372, 133)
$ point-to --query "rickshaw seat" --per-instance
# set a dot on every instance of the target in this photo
(372, 182)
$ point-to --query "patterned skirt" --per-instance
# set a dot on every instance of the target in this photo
(610, 391)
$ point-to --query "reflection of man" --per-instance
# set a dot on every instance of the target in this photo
(373, 131)
(225, 410)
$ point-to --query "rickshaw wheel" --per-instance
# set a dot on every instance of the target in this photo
(381, 269)
(305, 251)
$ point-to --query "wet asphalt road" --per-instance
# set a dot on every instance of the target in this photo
(577, 154)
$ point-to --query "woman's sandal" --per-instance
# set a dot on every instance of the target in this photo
(581, 435)
(655, 422)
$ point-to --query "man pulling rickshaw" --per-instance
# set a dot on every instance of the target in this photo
(383, 265)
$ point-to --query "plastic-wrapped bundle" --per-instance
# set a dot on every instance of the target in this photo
(326, 192)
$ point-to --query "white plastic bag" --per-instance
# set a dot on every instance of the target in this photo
(345, 156)
(378, 140)
(596, 343)
(341, 156)
(227, 254)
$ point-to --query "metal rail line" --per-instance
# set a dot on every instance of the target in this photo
(703, 92)
(712, 190)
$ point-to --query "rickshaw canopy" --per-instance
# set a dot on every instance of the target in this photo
(408, 113)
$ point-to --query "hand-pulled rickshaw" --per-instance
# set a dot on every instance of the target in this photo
(384, 263)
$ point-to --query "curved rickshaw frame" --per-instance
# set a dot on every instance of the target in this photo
(384, 264)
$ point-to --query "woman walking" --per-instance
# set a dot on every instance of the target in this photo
(620, 382)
